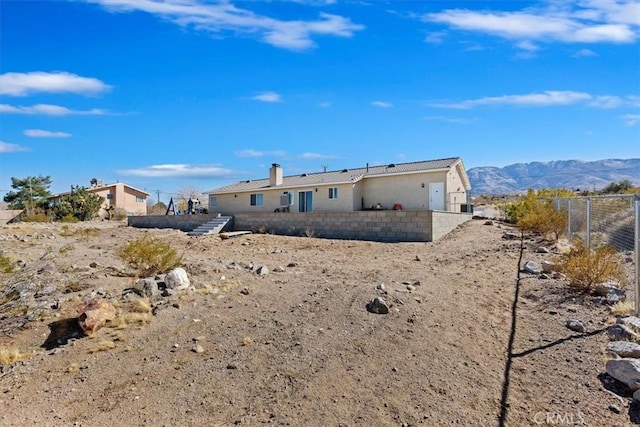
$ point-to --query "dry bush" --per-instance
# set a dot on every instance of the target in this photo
(149, 255)
(622, 308)
(36, 217)
(66, 248)
(79, 232)
(6, 265)
(585, 267)
(11, 356)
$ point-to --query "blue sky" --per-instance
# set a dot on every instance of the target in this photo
(167, 95)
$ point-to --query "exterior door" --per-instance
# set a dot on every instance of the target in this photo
(436, 196)
(305, 201)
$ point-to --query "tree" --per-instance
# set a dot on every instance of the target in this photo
(183, 195)
(80, 203)
(618, 187)
(156, 208)
(31, 193)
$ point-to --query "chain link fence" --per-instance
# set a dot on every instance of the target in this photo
(612, 220)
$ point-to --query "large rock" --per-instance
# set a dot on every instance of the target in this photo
(621, 333)
(631, 322)
(547, 266)
(602, 289)
(177, 279)
(94, 314)
(148, 287)
(624, 349)
(626, 371)
(531, 268)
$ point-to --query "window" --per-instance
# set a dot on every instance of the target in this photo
(256, 199)
(333, 192)
(139, 199)
(109, 196)
(213, 201)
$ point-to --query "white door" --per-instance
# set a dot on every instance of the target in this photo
(436, 196)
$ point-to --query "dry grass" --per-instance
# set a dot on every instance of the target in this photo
(141, 305)
(247, 341)
(622, 308)
(6, 265)
(73, 368)
(79, 232)
(124, 320)
(102, 346)
(11, 356)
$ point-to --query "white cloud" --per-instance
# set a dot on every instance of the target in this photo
(528, 46)
(455, 120)
(220, 16)
(631, 119)
(382, 104)
(250, 152)
(542, 99)
(316, 156)
(5, 147)
(179, 171)
(325, 104)
(435, 37)
(49, 110)
(268, 97)
(584, 53)
(23, 84)
(39, 133)
(586, 21)
(606, 101)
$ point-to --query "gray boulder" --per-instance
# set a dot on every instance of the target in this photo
(378, 306)
(624, 349)
(177, 279)
(627, 371)
(531, 268)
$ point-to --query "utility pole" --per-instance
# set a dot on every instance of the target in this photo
(158, 193)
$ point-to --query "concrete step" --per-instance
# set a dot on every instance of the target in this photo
(213, 226)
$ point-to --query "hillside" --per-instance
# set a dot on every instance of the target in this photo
(571, 174)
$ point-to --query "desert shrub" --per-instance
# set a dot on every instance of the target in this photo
(36, 217)
(149, 255)
(585, 267)
(66, 248)
(535, 213)
(6, 265)
(69, 218)
(119, 214)
(261, 229)
(11, 356)
(79, 232)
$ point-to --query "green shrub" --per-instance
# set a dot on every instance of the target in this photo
(36, 217)
(69, 218)
(585, 268)
(149, 256)
(533, 213)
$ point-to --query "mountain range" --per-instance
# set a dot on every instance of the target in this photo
(569, 174)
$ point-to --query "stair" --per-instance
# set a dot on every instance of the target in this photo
(213, 226)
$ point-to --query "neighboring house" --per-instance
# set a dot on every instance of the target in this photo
(438, 185)
(117, 197)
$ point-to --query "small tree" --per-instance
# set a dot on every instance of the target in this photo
(618, 187)
(156, 208)
(80, 203)
(31, 193)
(535, 213)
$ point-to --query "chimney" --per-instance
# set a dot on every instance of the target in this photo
(275, 175)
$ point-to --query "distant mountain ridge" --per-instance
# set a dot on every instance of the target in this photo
(570, 174)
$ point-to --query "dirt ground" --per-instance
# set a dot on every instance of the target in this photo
(297, 347)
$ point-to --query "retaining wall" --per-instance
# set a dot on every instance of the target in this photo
(178, 222)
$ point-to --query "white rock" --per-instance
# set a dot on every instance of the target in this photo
(626, 371)
(547, 266)
(177, 279)
(624, 349)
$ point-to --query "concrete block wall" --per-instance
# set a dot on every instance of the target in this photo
(178, 222)
(381, 226)
(445, 222)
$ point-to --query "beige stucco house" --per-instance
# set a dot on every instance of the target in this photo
(437, 185)
(117, 197)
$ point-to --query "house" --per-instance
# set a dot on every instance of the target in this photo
(433, 185)
(117, 197)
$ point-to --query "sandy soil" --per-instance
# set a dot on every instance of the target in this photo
(298, 347)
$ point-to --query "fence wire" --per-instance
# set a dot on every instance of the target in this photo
(607, 220)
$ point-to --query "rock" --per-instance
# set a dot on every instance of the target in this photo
(636, 395)
(198, 349)
(148, 287)
(488, 222)
(631, 322)
(559, 276)
(602, 289)
(615, 409)
(411, 288)
(244, 291)
(576, 325)
(531, 268)
(94, 314)
(542, 250)
(624, 349)
(262, 270)
(94, 265)
(279, 269)
(626, 371)
(381, 287)
(378, 306)
(621, 333)
(547, 266)
(417, 258)
(510, 236)
(615, 295)
(563, 246)
(177, 279)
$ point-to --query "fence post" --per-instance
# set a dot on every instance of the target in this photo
(636, 244)
(588, 238)
(569, 219)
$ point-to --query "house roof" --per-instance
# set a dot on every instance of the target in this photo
(102, 187)
(346, 176)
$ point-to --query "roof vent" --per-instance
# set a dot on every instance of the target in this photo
(304, 174)
(345, 170)
(392, 165)
(248, 181)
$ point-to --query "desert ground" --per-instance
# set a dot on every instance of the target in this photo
(294, 344)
